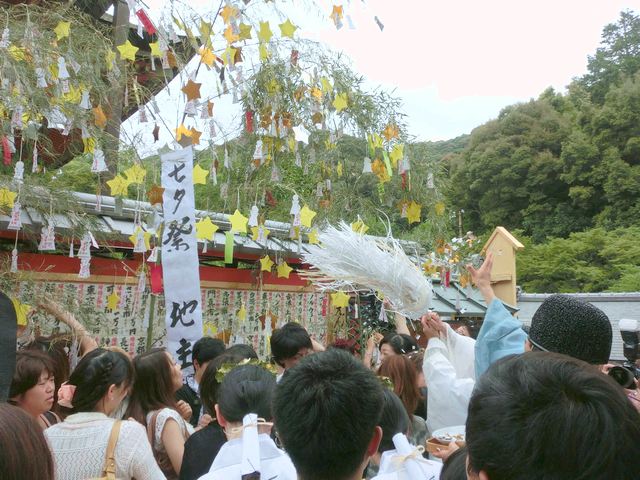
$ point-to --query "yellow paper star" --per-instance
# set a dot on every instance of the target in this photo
(192, 90)
(7, 197)
(205, 229)
(62, 30)
(340, 102)
(200, 175)
(135, 174)
(245, 31)
(133, 238)
(206, 29)
(390, 132)
(113, 300)
(340, 299)
(182, 130)
(266, 264)
(238, 222)
(396, 154)
(359, 227)
(100, 119)
(255, 232)
(326, 85)
(284, 270)
(207, 56)
(413, 212)
(316, 93)
(306, 216)
(375, 141)
(439, 208)
(227, 12)
(155, 49)
(229, 55)
(127, 51)
(242, 313)
(264, 34)
(195, 136)
(287, 29)
(118, 185)
(313, 237)
(22, 310)
(229, 35)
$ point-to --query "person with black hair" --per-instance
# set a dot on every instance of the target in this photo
(33, 386)
(24, 453)
(562, 324)
(204, 350)
(544, 415)
(79, 444)
(397, 344)
(397, 458)
(327, 410)
(243, 410)
(455, 466)
(203, 446)
(289, 344)
(152, 403)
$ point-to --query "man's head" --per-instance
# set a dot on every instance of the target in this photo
(289, 344)
(326, 411)
(542, 415)
(205, 350)
(566, 325)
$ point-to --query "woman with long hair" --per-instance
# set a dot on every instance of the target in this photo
(152, 403)
(33, 386)
(402, 373)
(80, 443)
(24, 452)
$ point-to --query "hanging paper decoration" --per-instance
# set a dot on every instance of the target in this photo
(306, 216)
(340, 299)
(260, 233)
(248, 118)
(359, 226)
(140, 240)
(366, 168)
(47, 238)
(15, 223)
(153, 256)
(6, 151)
(284, 270)
(85, 270)
(18, 173)
(228, 247)
(258, 154)
(253, 216)
(205, 229)
(14, 261)
(200, 175)
(146, 21)
(238, 222)
(266, 264)
(413, 212)
(98, 165)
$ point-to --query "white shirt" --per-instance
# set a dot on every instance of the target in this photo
(275, 464)
(392, 468)
(448, 372)
(79, 447)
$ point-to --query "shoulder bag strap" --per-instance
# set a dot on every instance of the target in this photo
(151, 429)
(110, 460)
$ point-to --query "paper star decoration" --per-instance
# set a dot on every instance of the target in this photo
(205, 229)
(127, 51)
(264, 34)
(284, 270)
(229, 55)
(266, 264)
(287, 29)
(245, 31)
(155, 49)
(133, 238)
(390, 132)
(192, 90)
(396, 154)
(195, 136)
(230, 35)
(100, 119)
(340, 102)
(155, 195)
(7, 197)
(413, 212)
(313, 237)
(22, 310)
(306, 216)
(207, 56)
(255, 232)
(113, 300)
(182, 130)
(242, 313)
(340, 299)
(227, 12)
(359, 227)
(301, 134)
(238, 222)
(439, 208)
(200, 175)
(62, 30)
(118, 185)
(135, 174)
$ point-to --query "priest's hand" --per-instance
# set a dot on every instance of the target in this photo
(481, 278)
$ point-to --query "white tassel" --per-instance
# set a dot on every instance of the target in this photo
(348, 260)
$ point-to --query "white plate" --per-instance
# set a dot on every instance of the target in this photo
(450, 434)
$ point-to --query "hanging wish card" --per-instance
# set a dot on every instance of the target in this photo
(47, 238)
(16, 222)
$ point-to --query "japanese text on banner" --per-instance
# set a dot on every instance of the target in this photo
(180, 257)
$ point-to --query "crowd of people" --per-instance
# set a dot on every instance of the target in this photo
(536, 405)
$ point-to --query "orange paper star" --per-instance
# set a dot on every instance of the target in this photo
(192, 90)
(100, 119)
(155, 195)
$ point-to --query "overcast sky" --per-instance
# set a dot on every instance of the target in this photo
(454, 64)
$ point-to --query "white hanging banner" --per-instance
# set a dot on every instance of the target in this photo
(180, 265)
